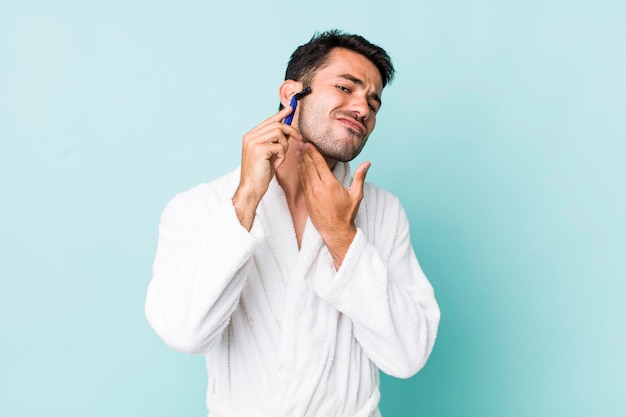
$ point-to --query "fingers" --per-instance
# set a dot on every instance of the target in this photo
(276, 132)
(275, 118)
(268, 136)
(270, 139)
(264, 149)
(356, 188)
(276, 122)
(313, 161)
(308, 166)
(271, 133)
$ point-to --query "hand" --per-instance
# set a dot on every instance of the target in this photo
(332, 207)
(263, 150)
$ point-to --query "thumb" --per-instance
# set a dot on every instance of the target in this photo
(359, 178)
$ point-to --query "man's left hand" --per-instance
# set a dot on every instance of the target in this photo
(332, 207)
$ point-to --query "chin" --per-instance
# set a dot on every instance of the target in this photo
(341, 156)
(337, 147)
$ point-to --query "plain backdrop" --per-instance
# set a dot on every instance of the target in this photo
(503, 135)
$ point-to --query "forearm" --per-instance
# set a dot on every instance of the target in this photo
(246, 201)
(390, 303)
(198, 274)
(338, 242)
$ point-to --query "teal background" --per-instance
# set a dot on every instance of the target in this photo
(503, 135)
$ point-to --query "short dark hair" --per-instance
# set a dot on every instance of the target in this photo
(311, 56)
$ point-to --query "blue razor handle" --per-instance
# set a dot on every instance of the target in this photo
(293, 104)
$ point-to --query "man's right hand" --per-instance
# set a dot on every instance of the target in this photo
(264, 149)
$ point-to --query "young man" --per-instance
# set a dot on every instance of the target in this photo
(297, 283)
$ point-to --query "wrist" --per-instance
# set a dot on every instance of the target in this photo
(245, 202)
(338, 242)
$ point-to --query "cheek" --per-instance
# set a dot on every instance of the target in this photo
(308, 111)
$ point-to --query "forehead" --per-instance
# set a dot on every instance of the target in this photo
(341, 61)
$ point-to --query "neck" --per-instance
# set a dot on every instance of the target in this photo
(288, 175)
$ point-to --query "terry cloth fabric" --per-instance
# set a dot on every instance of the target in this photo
(284, 333)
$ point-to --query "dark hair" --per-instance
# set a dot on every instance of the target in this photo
(311, 56)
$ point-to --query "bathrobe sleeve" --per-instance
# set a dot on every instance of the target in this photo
(200, 268)
(382, 289)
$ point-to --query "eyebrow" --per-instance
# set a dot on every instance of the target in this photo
(360, 83)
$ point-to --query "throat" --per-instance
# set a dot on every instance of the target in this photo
(299, 217)
(289, 179)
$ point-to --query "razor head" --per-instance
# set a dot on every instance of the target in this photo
(303, 93)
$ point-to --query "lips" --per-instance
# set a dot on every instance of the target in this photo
(353, 124)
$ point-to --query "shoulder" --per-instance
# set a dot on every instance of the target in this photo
(204, 198)
(382, 219)
(379, 199)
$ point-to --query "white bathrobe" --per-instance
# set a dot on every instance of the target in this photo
(284, 333)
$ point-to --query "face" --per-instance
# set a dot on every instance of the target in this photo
(340, 113)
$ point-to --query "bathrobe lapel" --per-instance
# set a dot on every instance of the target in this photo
(307, 323)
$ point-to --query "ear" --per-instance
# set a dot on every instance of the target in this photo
(287, 89)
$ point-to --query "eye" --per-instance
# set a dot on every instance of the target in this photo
(343, 88)
(373, 107)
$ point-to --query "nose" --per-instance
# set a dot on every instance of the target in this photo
(359, 106)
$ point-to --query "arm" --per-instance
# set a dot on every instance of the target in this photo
(264, 149)
(199, 270)
(374, 280)
(205, 246)
(386, 295)
(331, 207)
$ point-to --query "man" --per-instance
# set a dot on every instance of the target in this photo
(297, 284)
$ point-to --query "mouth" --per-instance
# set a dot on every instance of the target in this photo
(353, 124)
